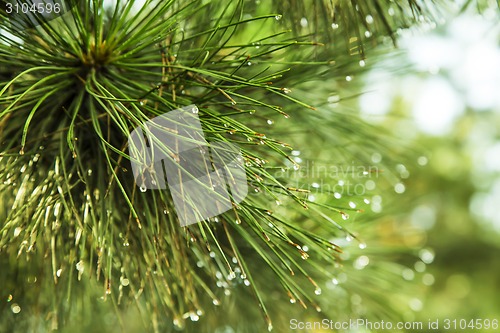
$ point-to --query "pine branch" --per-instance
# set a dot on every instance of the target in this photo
(74, 87)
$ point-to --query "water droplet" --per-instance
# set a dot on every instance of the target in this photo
(348, 78)
(335, 281)
(194, 317)
(315, 185)
(286, 90)
(21, 152)
(369, 19)
(80, 266)
(318, 291)
(337, 195)
(278, 202)
(17, 231)
(89, 172)
(296, 167)
(246, 282)
(368, 34)
(426, 255)
(251, 112)
(361, 262)
(335, 26)
(399, 188)
(58, 273)
(249, 63)
(125, 282)
(416, 304)
(428, 279)
(15, 308)
(143, 188)
(391, 11)
(178, 323)
(303, 22)
(333, 99)
(293, 300)
(362, 63)
(408, 274)
(348, 238)
(216, 302)
(362, 246)
(422, 160)
(345, 216)
(352, 204)
(420, 267)
(194, 109)
(269, 327)
(278, 17)
(23, 168)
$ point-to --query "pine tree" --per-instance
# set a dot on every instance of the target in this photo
(86, 249)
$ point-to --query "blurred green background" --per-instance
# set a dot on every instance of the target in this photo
(448, 107)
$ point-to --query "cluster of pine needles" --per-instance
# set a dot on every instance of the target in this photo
(75, 229)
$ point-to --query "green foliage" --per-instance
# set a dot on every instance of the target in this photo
(80, 238)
